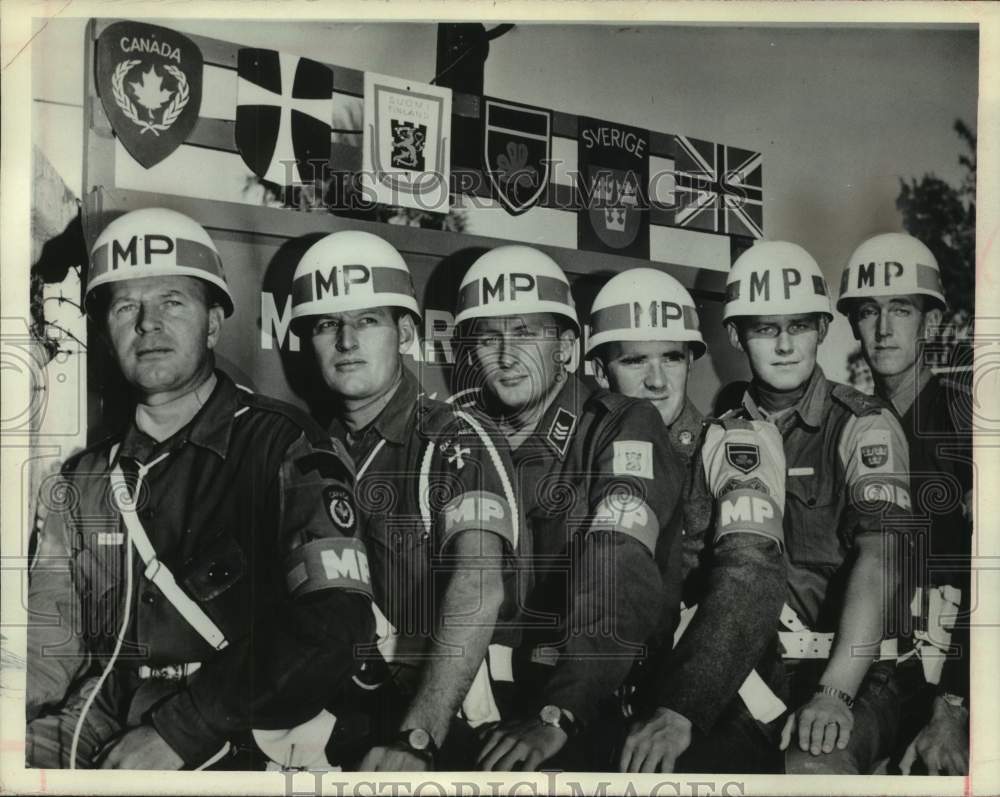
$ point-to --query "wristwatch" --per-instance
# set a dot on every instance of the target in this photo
(952, 699)
(558, 718)
(419, 741)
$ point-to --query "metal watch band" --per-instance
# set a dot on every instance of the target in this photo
(833, 691)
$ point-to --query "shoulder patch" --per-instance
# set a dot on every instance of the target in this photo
(745, 457)
(633, 458)
(856, 401)
(339, 507)
(874, 450)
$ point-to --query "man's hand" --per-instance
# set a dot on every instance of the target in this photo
(943, 744)
(394, 758)
(141, 748)
(824, 722)
(526, 742)
(653, 745)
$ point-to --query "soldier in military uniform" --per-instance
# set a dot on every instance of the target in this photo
(891, 291)
(597, 487)
(706, 698)
(198, 585)
(847, 485)
(434, 489)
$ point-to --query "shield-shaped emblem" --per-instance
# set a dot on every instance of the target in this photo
(875, 456)
(284, 110)
(613, 180)
(149, 79)
(614, 207)
(517, 147)
(407, 143)
(743, 456)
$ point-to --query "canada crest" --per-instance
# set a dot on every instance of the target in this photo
(150, 80)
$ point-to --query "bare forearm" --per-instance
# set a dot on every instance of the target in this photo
(862, 618)
(460, 642)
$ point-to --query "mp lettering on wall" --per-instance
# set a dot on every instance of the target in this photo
(406, 143)
(149, 79)
(613, 214)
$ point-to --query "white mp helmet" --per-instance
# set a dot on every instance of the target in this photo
(891, 264)
(155, 242)
(515, 280)
(775, 278)
(644, 304)
(351, 270)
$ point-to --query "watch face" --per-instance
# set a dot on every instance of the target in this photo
(419, 739)
(551, 715)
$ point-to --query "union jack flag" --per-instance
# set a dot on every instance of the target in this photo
(718, 188)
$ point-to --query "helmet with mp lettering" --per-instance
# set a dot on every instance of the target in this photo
(515, 280)
(644, 304)
(891, 264)
(155, 242)
(351, 270)
(775, 278)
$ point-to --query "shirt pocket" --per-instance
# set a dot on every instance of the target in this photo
(812, 519)
(217, 579)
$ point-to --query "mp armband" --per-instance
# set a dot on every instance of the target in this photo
(328, 563)
(750, 511)
(626, 513)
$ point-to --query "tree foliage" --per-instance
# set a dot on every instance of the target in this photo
(943, 216)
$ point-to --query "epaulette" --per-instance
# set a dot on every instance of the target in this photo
(611, 402)
(731, 422)
(97, 448)
(856, 401)
(436, 418)
(317, 436)
(957, 382)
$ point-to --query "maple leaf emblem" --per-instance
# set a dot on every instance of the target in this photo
(150, 93)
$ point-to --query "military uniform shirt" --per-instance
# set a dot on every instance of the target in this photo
(428, 471)
(938, 430)
(848, 474)
(597, 487)
(733, 566)
(252, 511)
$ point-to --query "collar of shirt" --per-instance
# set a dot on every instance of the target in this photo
(211, 428)
(391, 424)
(809, 410)
(684, 431)
(912, 386)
